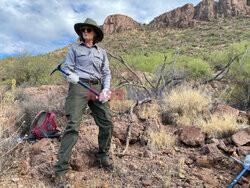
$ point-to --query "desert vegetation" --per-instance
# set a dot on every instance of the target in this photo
(178, 76)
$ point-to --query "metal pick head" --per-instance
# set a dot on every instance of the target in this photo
(54, 71)
(58, 67)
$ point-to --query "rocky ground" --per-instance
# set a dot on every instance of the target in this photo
(195, 160)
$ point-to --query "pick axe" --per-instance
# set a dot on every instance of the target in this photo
(246, 168)
(79, 82)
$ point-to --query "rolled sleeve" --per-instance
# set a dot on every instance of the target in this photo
(69, 65)
(106, 75)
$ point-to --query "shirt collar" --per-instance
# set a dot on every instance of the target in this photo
(95, 45)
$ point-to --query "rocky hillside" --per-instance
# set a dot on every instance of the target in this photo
(205, 11)
(118, 23)
(184, 16)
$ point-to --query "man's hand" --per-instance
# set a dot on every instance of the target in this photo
(105, 95)
(73, 78)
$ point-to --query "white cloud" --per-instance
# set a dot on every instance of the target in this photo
(41, 26)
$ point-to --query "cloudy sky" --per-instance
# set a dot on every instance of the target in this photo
(41, 26)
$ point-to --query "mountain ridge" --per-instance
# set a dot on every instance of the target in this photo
(185, 16)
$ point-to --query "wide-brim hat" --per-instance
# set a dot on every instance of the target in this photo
(89, 22)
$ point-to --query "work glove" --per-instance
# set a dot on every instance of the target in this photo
(72, 77)
(105, 95)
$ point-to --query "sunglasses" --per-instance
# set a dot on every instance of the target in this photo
(83, 29)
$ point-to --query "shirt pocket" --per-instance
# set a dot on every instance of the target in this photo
(98, 59)
(82, 56)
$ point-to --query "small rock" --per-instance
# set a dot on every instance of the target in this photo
(105, 185)
(129, 178)
(214, 140)
(204, 161)
(166, 151)
(133, 167)
(212, 151)
(140, 154)
(147, 182)
(181, 175)
(148, 154)
(221, 177)
(15, 180)
(160, 163)
(189, 161)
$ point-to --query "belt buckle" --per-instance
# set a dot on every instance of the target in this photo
(91, 81)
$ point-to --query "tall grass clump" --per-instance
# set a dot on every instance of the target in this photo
(221, 126)
(7, 134)
(184, 105)
(160, 140)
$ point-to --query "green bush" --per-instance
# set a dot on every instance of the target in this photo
(199, 68)
(145, 63)
(30, 70)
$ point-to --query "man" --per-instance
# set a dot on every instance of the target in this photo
(87, 62)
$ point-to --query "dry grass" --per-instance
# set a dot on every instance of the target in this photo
(119, 103)
(147, 110)
(185, 105)
(161, 140)
(7, 144)
(221, 125)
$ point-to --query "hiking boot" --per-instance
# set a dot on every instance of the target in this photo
(61, 181)
(107, 165)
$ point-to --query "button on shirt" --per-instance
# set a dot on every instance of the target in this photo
(88, 63)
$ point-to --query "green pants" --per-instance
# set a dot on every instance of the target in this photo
(76, 102)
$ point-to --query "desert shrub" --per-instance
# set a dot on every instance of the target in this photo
(221, 126)
(30, 70)
(218, 59)
(185, 105)
(145, 63)
(199, 69)
(160, 140)
(239, 76)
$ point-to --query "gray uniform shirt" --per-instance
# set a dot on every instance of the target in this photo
(89, 63)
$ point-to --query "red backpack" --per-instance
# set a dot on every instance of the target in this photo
(44, 124)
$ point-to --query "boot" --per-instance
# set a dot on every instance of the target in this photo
(107, 165)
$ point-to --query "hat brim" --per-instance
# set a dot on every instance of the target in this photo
(98, 31)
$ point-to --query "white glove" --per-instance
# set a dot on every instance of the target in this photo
(105, 95)
(73, 78)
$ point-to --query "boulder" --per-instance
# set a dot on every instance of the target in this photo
(224, 109)
(192, 136)
(242, 137)
(121, 131)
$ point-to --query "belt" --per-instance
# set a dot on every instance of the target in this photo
(91, 81)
